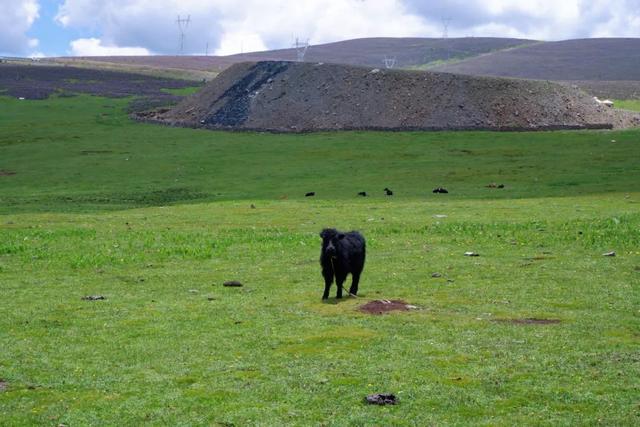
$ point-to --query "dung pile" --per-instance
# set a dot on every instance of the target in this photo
(299, 97)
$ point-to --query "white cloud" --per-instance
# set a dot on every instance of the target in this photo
(94, 47)
(16, 19)
(229, 26)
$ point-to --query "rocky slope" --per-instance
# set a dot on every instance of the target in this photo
(298, 97)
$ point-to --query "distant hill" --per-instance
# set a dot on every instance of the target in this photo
(298, 97)
(570, 60)
(407, 52)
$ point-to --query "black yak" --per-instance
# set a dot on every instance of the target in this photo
(388, 192)
(342, 253)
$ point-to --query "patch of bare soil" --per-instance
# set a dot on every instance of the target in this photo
(93, 298)
(384, 306)
(381, 399)
(284, 96)
(529, 321)
(232, 284)
(3, 385)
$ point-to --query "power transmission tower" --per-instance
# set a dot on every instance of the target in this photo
(445, 35)
(182, 27)
(389, 62)
(301, 49)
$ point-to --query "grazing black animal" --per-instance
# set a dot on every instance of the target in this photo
(388, 192)
(362, 193)
(440, 190)
(312, 193)
(342, 253)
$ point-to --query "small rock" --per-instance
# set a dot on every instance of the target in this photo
(210, 299)
(470, 253)
(381, 399)
(232, 284)
(193, 291)
(612, 253)
(439, 216)
(436, 275)
(93, 298)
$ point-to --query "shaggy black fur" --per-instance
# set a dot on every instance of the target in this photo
(342, 253)
(310, 194)
(362, 193)
(388, 192)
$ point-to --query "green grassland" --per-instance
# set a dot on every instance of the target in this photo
(628, 104)
(156, 219)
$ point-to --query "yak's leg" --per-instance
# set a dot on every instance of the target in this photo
(339, 281)
(328, 280)
(355, 279)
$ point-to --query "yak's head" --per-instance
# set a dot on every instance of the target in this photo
(330, 241)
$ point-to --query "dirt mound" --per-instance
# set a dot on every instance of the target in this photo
(384, 306)
(298, 97)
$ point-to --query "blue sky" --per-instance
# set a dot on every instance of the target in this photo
(53, 39)
(106, 27)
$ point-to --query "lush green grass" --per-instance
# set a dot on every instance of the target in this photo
(627, 104)
(96, 206)
(84, 154)
(183, 91)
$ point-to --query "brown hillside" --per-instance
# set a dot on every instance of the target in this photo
(289, 96)
(583, 59)
(366, 51)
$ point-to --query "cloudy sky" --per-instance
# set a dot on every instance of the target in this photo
(138, 27)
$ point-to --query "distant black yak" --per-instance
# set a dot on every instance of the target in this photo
(440, 190)
(388, 192)
(362, 193)
(342, 253)
(311, 193)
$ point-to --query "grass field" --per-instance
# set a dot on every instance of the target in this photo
(155, 219)
(630, 104)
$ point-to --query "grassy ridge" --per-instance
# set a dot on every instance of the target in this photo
(170, 345)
